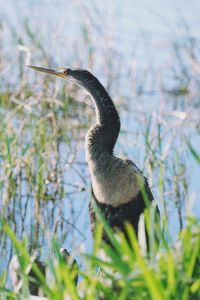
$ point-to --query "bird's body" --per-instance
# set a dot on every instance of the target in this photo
(117, 216)
(118, 187)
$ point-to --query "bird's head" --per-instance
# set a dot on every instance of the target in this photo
(78, 76)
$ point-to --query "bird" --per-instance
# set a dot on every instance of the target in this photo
(119, 189)
(34, 284)
(69, 259)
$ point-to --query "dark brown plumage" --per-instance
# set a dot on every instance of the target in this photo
(116, 217)
(118, 187)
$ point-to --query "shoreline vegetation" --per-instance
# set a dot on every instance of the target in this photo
(44, 180)
(168, 272)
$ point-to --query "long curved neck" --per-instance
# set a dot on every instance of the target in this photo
(103, 135)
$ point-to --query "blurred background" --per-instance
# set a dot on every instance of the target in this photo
(147, 54)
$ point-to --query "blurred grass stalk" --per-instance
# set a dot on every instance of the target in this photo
(171, 273)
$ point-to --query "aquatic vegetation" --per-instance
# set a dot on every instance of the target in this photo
(44, 180)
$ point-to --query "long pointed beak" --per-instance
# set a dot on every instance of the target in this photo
(61, 73)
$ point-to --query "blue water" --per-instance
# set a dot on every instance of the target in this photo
(135, 38)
